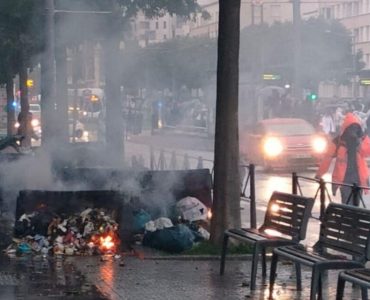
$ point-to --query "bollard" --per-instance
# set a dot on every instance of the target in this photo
(173, 162)
(152, 159)
(186, 165)
(200, 163)
(162, 161)
(252, 187)
(322, 197)
(294, 183)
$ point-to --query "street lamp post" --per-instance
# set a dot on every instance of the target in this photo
(355, 91)
(297, 86)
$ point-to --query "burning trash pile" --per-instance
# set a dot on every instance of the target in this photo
(93, 231)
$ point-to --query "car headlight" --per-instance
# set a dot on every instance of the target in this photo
(272, 147)
(319, 144)
(35, 122)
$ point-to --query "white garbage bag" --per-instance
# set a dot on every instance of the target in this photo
(157, 224)
(191, 209)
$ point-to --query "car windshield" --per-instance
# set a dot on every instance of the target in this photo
(290, 129)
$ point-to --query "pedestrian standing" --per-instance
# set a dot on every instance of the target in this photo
(349, 149)
(327, 123)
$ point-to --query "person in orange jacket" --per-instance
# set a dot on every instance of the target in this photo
(349, 148)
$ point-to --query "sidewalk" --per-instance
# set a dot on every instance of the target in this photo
(171, 279)
(152, 278)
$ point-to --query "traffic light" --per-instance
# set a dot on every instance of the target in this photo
(312, 97)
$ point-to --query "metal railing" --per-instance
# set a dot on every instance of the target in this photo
(323, 193)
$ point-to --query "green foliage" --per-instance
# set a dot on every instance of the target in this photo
(182, 61)
(325, 51)
(326, 55)
(20, 36)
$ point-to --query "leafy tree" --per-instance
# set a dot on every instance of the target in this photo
(114, 25)
(172, 64)
(326, 51)
(20, 42)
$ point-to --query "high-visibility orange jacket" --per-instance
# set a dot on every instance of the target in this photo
(340, 153)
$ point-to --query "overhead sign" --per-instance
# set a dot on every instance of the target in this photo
(271, 77)
(365, 81)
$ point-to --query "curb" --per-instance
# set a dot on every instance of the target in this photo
(197, 257)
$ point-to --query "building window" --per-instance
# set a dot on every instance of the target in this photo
(355, 9)
(165, 36)
(157, 25)
(368, 60)
(151, 35)
(164, 24)
(144, 25)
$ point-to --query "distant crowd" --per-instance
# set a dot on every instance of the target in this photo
(330, 119)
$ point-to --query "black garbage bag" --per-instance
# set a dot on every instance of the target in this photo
(174, 239)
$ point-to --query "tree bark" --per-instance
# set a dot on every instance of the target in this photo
(226, 197)
(62, 94)
(24, 120)
(114, 114)
(48, 92)
(11, 117)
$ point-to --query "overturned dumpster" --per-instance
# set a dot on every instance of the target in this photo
(101, 219)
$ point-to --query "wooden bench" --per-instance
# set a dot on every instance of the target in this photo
(343, 244)
(285, 223)
(360, 277)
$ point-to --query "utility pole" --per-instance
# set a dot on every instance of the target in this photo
(48, 74)
(297, 84)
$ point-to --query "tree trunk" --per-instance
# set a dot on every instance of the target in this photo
(48, 92)
(114, 113)
(62, 94)
(24, 120)
(11, 117)
(226, 201)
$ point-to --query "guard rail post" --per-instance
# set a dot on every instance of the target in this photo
(253, 210)
(294, 183)
(322, 197)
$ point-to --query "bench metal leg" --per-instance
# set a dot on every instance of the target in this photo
(263, 251)
(223, 254)
(298, 276)
(320, 288)
(340, 288)
(256, 253)
(364, 293)
(274, 262)
(315, 283)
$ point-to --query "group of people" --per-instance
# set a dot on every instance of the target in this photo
(331, 119)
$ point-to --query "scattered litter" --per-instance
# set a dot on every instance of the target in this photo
(90, 232)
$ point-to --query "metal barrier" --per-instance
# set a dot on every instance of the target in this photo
(322, 191)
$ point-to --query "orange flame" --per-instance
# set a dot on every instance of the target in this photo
(107, 242)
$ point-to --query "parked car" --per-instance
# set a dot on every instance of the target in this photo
(282, 143)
